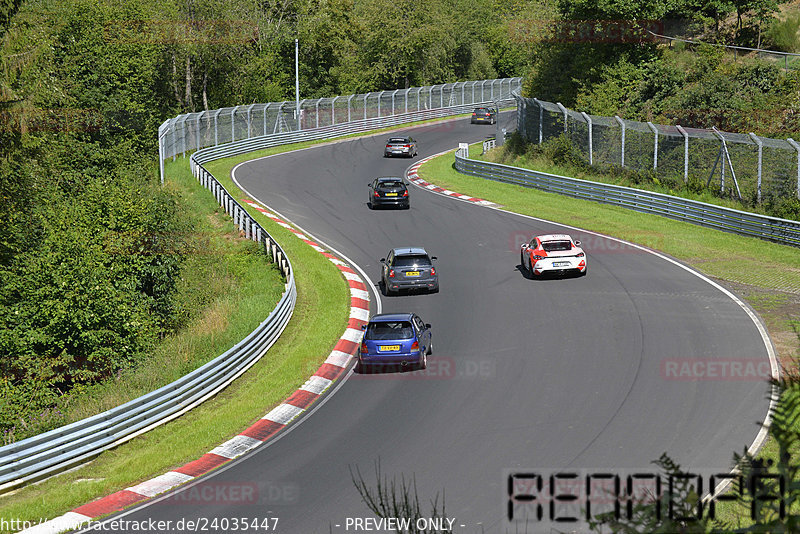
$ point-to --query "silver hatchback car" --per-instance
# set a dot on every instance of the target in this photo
(400, 146)
(408, 268)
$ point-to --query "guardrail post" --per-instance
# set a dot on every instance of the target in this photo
(622, 151)
(588, 120)
(797, 148)
(566, 114)
(686, 154)
(655, 144)
(760, 146)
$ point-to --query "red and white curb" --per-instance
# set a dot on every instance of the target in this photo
(264, 429)
(414, 178)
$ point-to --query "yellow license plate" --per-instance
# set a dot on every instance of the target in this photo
(412, 273)
(387, 348)
(391, 194)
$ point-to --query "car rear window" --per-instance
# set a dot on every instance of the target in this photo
(556, 246)
(390, 184)
(389, 330)
(398, 140)
(414, 259)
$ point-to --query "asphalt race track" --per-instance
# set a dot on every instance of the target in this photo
(554, 375)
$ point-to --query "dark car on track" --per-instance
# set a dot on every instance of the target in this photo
(388, 191)
(484, 116)
(400, 146)
(408, 268)
(395, 340)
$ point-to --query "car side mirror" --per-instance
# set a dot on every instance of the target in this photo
(434, 258)
(427, 325)
(577, 243)
(363, 327)
(383, 260)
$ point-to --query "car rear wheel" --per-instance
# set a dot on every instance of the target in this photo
(430, 347)
(423, 363)
(522, 262)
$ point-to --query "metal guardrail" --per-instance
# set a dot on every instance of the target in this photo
(52, 452)
(750, 224)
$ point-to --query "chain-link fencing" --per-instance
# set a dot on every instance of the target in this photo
(193, 131)
(744, 166)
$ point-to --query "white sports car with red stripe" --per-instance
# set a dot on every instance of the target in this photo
(552, 253)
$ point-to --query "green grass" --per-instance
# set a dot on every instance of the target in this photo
(766, 275)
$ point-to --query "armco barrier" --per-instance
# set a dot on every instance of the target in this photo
(750, 224)
(52, 452)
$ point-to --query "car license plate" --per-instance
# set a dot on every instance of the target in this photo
(391, 194)
(389, 348)
(412, 273)
(560, 264)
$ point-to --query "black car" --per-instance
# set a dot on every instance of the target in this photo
(400, 146)
(484, 116)
(388, 191)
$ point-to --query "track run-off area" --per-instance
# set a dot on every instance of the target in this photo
(551, 375)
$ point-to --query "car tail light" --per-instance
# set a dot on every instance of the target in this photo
(433, 271)
(364, 349)
(376, 194)
(473, 114)
(406, 146)
(415, 345)
(391, 273)
(405, 193)
(388, 146)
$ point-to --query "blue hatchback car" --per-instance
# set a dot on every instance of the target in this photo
(395, 340)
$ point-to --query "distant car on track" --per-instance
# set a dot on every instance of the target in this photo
(400, 146)
(408, 268)
(484, 116)
(388, 191)
(395, 340)
(552, 253)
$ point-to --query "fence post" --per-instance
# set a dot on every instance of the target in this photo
(348, 106)
(463, 87)
(441, 96)
(197, 131)
(299, 113)
(622, 152)
(380, 97)
(588, 120)
(249, 121)
(419, 90)
(760, 146)
(265, 117)
(366, 96)
(655, 144)
(541, 117)
(183, 136)
(405, 98)
(316, 113)
(216, 129)
(797, 148)
(393, 95)
(566, 114)
(483, 98)
(233, 124)
(333, 110)
(174, 141)
(686, 154)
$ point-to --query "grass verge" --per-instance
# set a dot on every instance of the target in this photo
(766, 275)
(302, 347)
